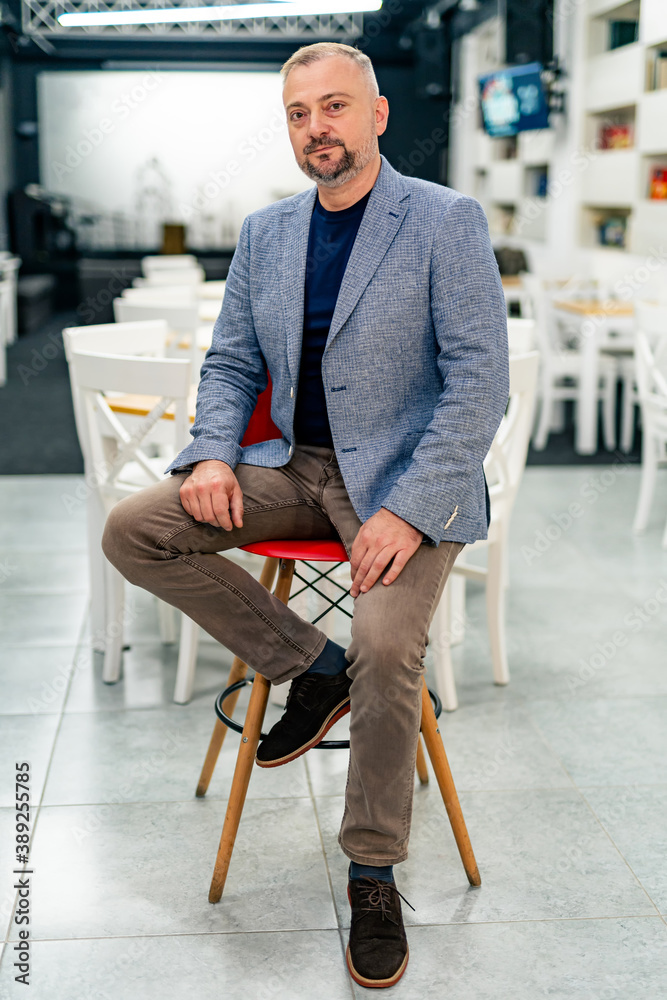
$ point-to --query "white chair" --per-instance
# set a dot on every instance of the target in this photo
(191, 338)
(651, 318)
(167, 262)
(117, 461)
(503, 467)
(520, 334)
(560, 369)
(171, 294)
(183, 276)
(9, 268)
(108, 435)
(651, 364)
(140, 339)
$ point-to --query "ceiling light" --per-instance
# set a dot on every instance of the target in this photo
(232, 12)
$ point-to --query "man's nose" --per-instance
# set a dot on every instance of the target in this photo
(319, 126)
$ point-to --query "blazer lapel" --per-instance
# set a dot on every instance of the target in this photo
(296, 226)
(382, 219)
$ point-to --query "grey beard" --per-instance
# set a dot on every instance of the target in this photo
(351, 164)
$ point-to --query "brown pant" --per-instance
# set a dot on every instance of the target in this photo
(156, 545)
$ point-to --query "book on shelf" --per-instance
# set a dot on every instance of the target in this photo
(611, 231)
(618, 136)
(660, 71)
(658, 183)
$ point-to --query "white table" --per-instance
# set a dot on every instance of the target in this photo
(602, 325)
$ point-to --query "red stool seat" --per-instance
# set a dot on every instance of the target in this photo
(315, 551)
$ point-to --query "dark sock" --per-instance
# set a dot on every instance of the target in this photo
(385, 873)
(331, 660)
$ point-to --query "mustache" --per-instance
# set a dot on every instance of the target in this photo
(313, 146)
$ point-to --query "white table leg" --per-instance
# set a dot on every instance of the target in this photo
(586, 416)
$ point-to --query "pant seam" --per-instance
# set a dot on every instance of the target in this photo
(260, 614)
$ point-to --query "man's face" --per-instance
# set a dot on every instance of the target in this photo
(333, 119)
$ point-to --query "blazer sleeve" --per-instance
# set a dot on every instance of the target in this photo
(232, 375)
(469, 318)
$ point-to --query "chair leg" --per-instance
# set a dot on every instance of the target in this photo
(244, 763)
(167, 621)
(237, 672)
(246, 756)
(628, 416)
(495, 612)
(95, 517)
(422, 769)
(609, 414)
(187, 660)
(443, 670)
(114, 587)
(545, 419)
(440, 764)
(647, 484)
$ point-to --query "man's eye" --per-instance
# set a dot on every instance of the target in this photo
(296, 115)
(335, 106)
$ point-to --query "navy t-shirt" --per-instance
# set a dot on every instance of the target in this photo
(330, 241)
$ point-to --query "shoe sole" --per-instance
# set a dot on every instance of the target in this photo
(373, 983)
(330, 721)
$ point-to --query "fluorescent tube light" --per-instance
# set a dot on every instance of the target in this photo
(231, 12)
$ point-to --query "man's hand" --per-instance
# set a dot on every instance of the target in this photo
(383, 537)
(212, 494)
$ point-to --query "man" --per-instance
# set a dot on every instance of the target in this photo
(375, 303)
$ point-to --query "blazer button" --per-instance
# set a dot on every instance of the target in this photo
(291, 449)
(291, 392)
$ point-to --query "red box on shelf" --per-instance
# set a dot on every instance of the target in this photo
(658, 187)
(615, 137)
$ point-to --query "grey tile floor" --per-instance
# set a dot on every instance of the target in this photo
(562, 777)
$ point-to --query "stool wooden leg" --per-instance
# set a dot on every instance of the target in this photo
(422, 770)
(249, 740)
(237, 672)
(244, 762)
(436, 752)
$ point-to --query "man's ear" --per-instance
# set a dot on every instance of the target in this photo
(381, 115)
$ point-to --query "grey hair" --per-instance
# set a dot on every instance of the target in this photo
(308, 54)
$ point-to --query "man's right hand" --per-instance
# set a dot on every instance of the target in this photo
(212, 493)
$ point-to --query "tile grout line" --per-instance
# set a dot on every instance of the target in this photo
(659, 917)
(620, 852)
(329, 878)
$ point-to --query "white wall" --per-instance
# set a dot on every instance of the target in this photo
(201, 148)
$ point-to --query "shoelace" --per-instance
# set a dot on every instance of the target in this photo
(378, 896)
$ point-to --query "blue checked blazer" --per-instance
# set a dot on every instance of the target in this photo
(415, 367)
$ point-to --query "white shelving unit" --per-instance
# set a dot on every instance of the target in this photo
(586, 185)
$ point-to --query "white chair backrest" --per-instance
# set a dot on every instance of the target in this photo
(109, 447)
(521, 335)
(651, 317)
(147, 338)
(162, 293)
(167, 262)
(542, 312)
(651, 369)
(182, 276)
(179, 318)
(506, 460)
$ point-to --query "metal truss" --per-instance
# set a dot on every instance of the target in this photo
(39, 17)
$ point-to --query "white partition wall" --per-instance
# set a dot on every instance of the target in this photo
(200, 148)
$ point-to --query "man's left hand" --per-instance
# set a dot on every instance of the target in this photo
(383, 537)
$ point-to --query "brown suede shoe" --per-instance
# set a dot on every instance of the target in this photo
(377, 955)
